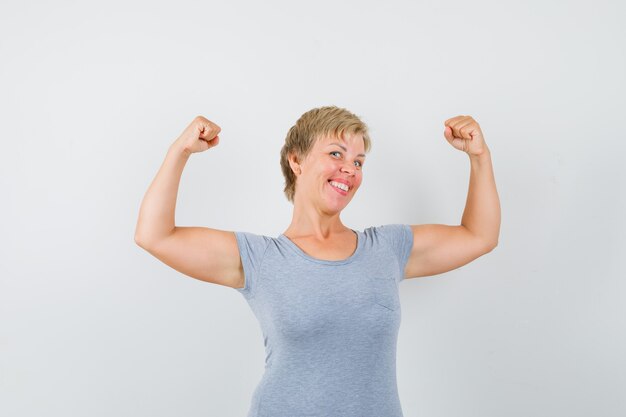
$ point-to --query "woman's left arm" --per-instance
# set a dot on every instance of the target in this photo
(482, 208)
(439, 248)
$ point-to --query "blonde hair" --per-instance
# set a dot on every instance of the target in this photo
(310, 127)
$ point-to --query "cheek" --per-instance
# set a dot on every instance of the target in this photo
(330, 169)
(358, 179)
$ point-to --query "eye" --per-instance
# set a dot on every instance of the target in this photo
(360, 163)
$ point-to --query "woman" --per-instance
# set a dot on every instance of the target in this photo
(326, 296)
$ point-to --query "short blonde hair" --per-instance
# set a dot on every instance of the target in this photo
(310, 127)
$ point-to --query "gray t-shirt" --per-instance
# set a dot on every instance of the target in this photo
(329, 327)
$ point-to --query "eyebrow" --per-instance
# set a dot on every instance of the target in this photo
(345, 149)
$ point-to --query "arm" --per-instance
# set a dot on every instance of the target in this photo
(157, 211)
(156, 214)
(210, 255)
(439, 248)
(482, 208)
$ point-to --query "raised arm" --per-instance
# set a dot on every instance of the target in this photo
(207, 254)
(439, 248)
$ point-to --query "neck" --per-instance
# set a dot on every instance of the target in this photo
(309, 221)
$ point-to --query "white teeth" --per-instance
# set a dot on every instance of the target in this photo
(339, 185)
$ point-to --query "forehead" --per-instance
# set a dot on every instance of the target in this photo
(352, 141)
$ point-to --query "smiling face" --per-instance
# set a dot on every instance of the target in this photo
(331, 159)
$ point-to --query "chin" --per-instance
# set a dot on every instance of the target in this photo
(338, 207)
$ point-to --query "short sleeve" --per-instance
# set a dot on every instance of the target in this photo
(252, 249)
(400, 238)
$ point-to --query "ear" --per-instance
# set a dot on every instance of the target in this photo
(294, 164)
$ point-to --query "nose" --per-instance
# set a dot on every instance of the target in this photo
(348, 167)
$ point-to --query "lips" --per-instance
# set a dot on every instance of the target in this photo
(339, 190)
(342, 181)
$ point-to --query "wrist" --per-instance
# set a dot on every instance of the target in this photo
(482, 157)
(179, 149)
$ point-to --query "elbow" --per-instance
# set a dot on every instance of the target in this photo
(147, 241)
(142, 236)
(139, 241)
(487, 245)
(491, 246)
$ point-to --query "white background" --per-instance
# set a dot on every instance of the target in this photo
(92, 95)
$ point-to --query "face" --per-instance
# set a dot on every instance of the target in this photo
(332, 159)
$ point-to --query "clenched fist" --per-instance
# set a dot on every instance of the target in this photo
(200, 135)
(464, 133)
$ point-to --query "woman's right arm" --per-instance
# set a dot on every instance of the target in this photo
(207, 254)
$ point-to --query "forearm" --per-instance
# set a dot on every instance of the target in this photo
(157, 211)
(482, 209)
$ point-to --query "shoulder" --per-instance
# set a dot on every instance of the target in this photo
(252, 242)
(397, 236)
(391, 233)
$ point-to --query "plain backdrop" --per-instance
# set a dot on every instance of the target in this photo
(92, 95)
